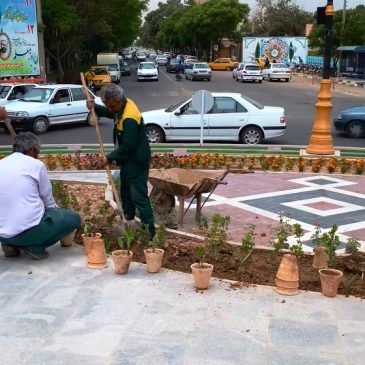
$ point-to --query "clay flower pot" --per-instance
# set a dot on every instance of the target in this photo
(95, 250)
(287, 277)
(153, 259)
(202, 274)
(121, 260)
(68, 240)
(330, 280)
(320, 259)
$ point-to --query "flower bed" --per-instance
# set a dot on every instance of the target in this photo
(93, 161)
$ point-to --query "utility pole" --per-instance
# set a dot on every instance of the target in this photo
(41, 53)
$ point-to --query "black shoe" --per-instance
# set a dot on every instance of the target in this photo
(10, 251)
(35, 256)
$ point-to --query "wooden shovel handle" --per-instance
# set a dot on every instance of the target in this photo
(10, 127)
(94, 121)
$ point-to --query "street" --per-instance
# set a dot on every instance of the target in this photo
(298, 97)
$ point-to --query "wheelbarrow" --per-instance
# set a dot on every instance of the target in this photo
(184, 184)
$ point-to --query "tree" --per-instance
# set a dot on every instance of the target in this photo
(74, 28)
(257, 50)
(352, 33)
(203, 25)
(279, 18)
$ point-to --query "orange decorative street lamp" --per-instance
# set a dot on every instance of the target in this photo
(321, 138)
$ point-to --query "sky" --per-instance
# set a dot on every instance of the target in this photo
(309, 5)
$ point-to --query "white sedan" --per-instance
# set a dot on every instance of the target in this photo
(45, 106)
(234, 117)
(147, 71)
(276, 71)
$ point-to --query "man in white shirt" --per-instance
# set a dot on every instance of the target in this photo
(30, 220)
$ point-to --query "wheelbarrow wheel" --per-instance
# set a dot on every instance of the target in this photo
(161, 201)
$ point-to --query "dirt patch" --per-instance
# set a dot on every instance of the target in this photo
(259, 269)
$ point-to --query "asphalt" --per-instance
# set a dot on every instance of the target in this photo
(59, 312)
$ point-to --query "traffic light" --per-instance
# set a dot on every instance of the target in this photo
(320, 15)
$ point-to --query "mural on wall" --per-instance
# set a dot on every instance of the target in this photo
(278, 49)
(18, 38)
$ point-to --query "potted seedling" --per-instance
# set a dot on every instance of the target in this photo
(123, 257)
(246, 248)
(330, 277)
(287, 276)
(202, 271)
(94, 247)
(320, 258)
(154, 254)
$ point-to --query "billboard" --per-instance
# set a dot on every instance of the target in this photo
(280, 49)
(18, 38)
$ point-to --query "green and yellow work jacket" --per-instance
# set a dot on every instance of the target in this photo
(132, 152)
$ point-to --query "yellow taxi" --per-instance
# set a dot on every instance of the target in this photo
(223, 64)
(97, 77)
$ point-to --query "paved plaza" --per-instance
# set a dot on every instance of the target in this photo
(59, 312)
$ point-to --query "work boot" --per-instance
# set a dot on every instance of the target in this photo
(10, 251)
(35, 256)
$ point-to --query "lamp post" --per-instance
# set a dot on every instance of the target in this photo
(321, 138)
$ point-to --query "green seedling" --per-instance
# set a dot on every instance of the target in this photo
(200, 253)
(159, 238)
(352, 245)
(297, 248)
(216, 235)
(125, 241)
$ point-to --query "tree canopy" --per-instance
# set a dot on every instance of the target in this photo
(73, 28)
(352, 33)
(195, 26)
(279, 18)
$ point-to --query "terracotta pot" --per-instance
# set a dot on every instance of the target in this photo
(121, 261)
(202, 275)
(153, 259)
(330, 280)
(287, 277)
(320, 259)
(68, 240)
(95, 250)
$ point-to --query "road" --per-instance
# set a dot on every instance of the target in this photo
(298, 97)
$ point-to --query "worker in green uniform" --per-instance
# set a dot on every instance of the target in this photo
(132, 152)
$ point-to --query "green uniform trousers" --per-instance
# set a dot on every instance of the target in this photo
(54, 225)
(134, 194)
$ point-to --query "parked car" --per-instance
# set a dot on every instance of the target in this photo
(249, 72)
(161, 60)
(225, 64)
(276, 71)
(234, 71)
(351, 121)
(97, 77)
(171, 65)
(234, 117)
(125, 70)
(45, 106)
(147, 71)
(198, 71)
(11, 92)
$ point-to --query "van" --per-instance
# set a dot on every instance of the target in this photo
(111, 62)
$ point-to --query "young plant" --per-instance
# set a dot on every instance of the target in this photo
(330, 241)
(247, 242)
(283, 232)
(352, 245)
(297, 248)
(200, 253)
(216, 235)
(144, 235)
(125, 241)
(107, 245)
(86, 230)
(159, 238)
(202, 221)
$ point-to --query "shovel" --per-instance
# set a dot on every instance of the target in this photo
(94, 121)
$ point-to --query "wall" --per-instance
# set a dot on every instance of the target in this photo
(280, 49)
